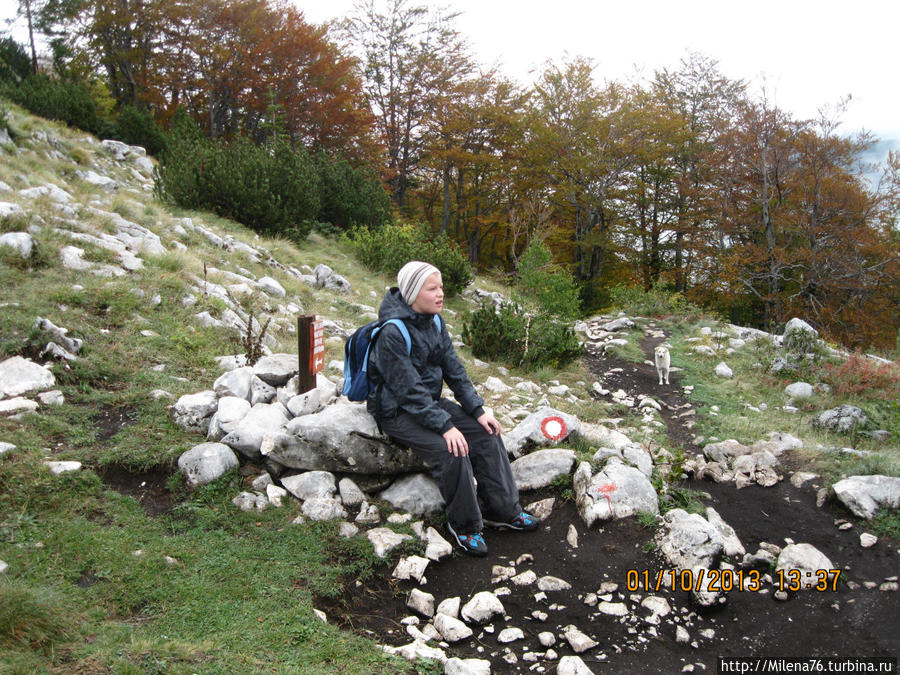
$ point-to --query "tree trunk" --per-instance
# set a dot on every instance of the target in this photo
(771, 308)
(34, 63)
(445, 218)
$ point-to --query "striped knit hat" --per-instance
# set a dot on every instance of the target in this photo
(411, 278)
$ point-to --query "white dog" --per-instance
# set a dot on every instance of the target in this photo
(663, 361)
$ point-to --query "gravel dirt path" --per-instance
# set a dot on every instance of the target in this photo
(850, 621)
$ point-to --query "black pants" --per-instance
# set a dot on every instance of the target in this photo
(487, 462)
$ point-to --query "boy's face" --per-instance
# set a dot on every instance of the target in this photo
(430, 299)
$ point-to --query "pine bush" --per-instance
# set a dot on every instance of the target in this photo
(15, 65)
(137, 127)
(68, 101)
(351, 197)
(387, 249)
(270, 188)
(518, 338)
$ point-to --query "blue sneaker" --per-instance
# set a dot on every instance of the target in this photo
(524, 522)
(473, 544)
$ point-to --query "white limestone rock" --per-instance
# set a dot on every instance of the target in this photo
(723, 371)
(234, 383)
(618, 491)
(450, 607)
(250, 501)
(578, 641)
(612, 608)
(8, 209)
(799, 390)
(807, 559)
(206, 462)
(421, 602)
(531, 429)
(263, 419)
(276, 369)
(550, 583)
(20, 242)
(865, 495)
(417, 494)
(511, 634)
(271, 287)
(540, 468)
(384, 540)
(351, 494)
(323, 508)
(411, 567)
(62, 466)
(310, 485)
(572, 665)
(20, 376)
(436, 547)
(342, 437)
(417, 650)
(16, 405)
(192, 412)
(457, 666)
(731, 544)
(688, 540)
(275, 494)
(482, 607)
(542, 508)
(496, 386)
(347, 530)
(841, 419)
(53, 397)
(451, 629)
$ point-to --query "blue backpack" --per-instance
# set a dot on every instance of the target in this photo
(356, 355)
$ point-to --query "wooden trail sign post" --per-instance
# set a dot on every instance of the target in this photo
(310, 350)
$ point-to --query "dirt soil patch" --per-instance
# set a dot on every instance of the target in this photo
(852, 620)
(110, 420)
(147, 487)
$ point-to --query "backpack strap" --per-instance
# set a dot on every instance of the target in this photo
(404, 331)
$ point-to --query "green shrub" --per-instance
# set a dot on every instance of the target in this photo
(15, 65)
(658, 301)
(550, 289)
(495, 335)
(512, 336)
(387, 249)
(272, 189)
(137, 127)
(64, 100)
(351, 197)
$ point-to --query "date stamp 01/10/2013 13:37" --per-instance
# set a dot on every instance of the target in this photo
(726, 580)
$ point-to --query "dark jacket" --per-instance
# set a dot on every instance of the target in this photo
(413, 382)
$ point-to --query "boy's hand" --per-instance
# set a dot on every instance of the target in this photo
(456, 442)
(490, 424)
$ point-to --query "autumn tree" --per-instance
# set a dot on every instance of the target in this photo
(703, 102)
(845, 244)
(468, 168)
(581, 147)
(755, 192)
(412, 58)
(650, 198)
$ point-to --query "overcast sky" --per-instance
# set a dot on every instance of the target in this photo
(808, 53)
